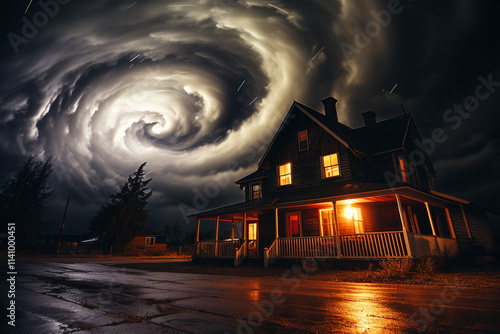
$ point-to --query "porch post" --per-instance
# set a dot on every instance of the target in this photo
(450, 224)
(245, 232)
(232, 228)
(430, 218)
(217, 237)
(337, 236)
(198, 231)
(276, 222)
(403, 224)
(465, 221)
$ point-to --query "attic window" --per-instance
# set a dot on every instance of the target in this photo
(330, 165)
(285, 174)
(303, 142)
(255, 191)
(404, 171)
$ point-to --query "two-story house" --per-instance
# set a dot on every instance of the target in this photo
(325, 190)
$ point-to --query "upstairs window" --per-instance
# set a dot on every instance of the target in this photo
(404, 171)
(285, 174)
(330, 165)
(303, 142)
(255, 191)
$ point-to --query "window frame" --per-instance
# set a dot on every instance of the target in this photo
(403, 170)
(287, 223)
(323, 167)
(149, 238)
(251, 191)
(300, 141)
(284, 175)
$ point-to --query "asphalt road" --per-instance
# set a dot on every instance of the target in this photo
(104, 298)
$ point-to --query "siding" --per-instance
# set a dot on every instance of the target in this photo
(460, 228)
(267, 230)
(480, 228)
(306, 165)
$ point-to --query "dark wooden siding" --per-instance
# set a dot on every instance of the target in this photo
(310, 223)
(479, 228)
(459, 228)
(306, 165)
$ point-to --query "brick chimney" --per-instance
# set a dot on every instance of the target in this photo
(370, 118)
(330, 109)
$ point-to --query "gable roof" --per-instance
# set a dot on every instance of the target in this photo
(375, 139)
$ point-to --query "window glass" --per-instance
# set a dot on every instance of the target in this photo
(285, 174)
(303, 142)
(331, 165)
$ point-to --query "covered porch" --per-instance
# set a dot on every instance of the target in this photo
(369, 227)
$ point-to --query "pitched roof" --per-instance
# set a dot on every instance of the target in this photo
(257, 175)
(377, 138)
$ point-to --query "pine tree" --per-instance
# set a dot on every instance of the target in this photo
(22, 198)
(125, 213)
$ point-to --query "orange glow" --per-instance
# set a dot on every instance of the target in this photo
(252, 231)
(285, 174)
(331, 165)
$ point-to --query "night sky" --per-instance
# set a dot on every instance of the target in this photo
(197, 89)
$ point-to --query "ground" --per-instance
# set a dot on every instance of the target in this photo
(129, 295)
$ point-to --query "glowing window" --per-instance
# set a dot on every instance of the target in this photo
(285, 174)
(256, 191)
(150, 241)
(252, 231)
(331, 165)
(404, 171)
(303, 142)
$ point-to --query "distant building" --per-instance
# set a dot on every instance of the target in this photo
(325, 190)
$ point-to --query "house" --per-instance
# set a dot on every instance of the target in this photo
(325, 190)
(145, 241)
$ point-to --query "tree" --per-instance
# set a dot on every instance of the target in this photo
(173, 234)
(117, 221)
(22, 198)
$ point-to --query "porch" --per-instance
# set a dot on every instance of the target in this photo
(369, 227)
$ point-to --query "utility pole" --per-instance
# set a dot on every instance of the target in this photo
(62, 225)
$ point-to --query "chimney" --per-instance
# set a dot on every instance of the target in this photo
(370, 118)
(330, 109)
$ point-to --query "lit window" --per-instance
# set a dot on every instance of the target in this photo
(285, 174)
(252, 231)
(331, 165)
(255, 191)
(404, 171)
(303, 143)
(150, 241)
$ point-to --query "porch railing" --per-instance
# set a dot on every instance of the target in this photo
(210, 249)
(317, 247)
(271, 254)
(241, 254)
(373, 245)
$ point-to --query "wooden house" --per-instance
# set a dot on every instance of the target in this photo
(325, 190)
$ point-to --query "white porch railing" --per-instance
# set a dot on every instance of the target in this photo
(271, 254)
(241, 254)
(373, 245)
(210, 249)
(303, 247)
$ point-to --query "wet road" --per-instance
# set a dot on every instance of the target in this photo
(101, 298)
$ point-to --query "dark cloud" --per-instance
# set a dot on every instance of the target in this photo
(104, 86)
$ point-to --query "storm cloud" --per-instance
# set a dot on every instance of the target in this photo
(197, 88)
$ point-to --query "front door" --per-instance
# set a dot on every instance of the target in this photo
(293, 228)
(252, 240)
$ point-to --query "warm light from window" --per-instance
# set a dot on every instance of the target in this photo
(331, 165)
(404, 172)
(285, 174)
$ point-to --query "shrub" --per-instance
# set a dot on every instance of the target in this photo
(395, 268)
